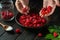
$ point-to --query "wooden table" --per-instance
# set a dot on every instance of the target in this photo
(25, 35)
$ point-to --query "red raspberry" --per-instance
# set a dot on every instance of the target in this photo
(7, 14)
(39, 21)
(49, 9)
(23, 17)
(35, 22)
(55, 34)
(46, 12)
(38, 25)
(43, 11)
(39, 34)
(24, 9)
(10, 14)
(17, 30)
(30, 18)
(35, 25)
(5, 17)
(43, 20)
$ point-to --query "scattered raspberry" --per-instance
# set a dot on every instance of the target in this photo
(17, 30)
(55, 34)
(39, 34)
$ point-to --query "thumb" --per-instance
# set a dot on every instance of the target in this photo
(57, 2)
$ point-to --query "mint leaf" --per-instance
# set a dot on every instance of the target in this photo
(58, 36)
(51, 30)
(57, 30)
(55, 39)
(49, 36)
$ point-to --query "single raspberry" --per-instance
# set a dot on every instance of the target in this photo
(24, 9)
(39, 34)
(10, 14)
(49, 9)
(17, 30)
(55, 34)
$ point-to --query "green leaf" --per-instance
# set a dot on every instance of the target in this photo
(57, 30)
(55, 39)
(59, 27)
(49, 36)
(58, 36)
(51, 30)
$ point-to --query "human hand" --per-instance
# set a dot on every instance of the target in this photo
(22, 6)
(52, 3)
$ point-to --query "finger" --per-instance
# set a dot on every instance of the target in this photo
(51, 3)
(17, 6)
(57, 2)
(45, 2)
(24, 2)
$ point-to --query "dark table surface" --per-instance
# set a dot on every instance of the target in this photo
(26, 34)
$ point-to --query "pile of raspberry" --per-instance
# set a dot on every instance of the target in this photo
(32, 21)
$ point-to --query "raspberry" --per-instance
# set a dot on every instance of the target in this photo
(24, 9)
(17, 30)
(43, 11)
(49, 9)
(39, 34)
(46, 10)
(38, 25)
(6, 14)
(35, 22)
(22, 17)
(10, 15)
(43, 20)
(35, 25)
(55, 34)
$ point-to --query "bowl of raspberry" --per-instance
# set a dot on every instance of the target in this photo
(31, 21)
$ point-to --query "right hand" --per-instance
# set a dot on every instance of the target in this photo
(22, 6)
(47, 3)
